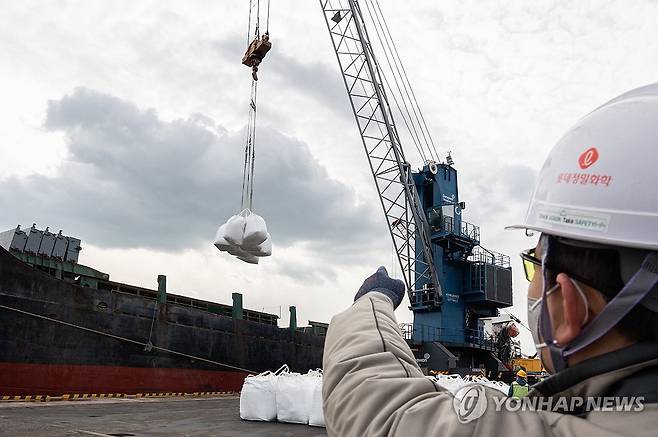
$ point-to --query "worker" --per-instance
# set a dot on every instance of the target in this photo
(256, 52)
(592, 306)
(519, 387)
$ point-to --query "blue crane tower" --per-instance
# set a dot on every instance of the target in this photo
(453, 283)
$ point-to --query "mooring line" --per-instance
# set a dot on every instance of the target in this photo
(72, 325)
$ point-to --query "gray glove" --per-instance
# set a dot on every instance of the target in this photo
(382, 283)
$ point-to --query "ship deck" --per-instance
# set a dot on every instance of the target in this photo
(215, 416)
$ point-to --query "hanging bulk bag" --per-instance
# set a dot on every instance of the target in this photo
(220, 241)
(255, 231)
(263, 249)
(234, 231)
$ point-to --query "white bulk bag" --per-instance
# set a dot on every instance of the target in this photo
(500, 386)
(496, 385)
(235, 226)
(248, 258)
(294, 394)
(220, 241)
(255, 231)
(236, 251)
(263, 249)
(258, 396)
(451, 383)
(316, 416)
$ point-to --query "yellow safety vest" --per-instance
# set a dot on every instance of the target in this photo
(518, 390)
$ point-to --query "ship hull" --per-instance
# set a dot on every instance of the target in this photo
(60, 338)
(18, 379)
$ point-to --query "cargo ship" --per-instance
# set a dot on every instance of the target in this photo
(66, 328)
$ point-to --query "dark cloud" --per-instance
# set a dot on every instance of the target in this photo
(320, 82)
(307, 273)
(132, 180)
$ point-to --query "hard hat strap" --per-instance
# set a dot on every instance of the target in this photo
(642, 289)
(545, 325)
(641, 285)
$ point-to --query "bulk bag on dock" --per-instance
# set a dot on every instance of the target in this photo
(454, 383)
(451, 383)
(316, 416)
(258, 396)
(497, 385)
(294, 394)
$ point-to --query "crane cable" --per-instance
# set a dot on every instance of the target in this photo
(410, 94)
(405, 90)
(247, 193)
(415, 136)
(516, 319)
(385, 83)
(373, 106)
(406, 78)
(246, 200)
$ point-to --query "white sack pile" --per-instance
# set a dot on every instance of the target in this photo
(245, 236)
(284, 396)
(454, 382)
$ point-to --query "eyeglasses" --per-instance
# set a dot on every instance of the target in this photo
(529, 262)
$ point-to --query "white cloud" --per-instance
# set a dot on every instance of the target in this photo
(131, 180)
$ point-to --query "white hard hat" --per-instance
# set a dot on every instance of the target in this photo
(600, 181)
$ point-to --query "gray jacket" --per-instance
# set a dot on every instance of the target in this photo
(373, 386)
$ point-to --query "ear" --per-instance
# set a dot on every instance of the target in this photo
(573, 311)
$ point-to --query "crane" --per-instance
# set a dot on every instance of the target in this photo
(392, 173)
(452, 281)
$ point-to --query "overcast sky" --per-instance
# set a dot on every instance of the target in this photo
(122, 123)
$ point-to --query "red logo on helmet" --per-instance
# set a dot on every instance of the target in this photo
(588, 158)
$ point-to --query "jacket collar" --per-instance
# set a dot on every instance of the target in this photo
(594, 377)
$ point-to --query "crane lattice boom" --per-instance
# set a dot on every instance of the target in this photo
(404, 213)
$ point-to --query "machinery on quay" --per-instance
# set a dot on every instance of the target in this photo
(453, 283)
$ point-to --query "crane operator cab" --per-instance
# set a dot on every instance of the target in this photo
(256, 52)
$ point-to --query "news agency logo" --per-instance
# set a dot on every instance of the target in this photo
(571, 404)
(470, 403)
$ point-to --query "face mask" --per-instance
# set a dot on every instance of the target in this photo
(534, 310)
